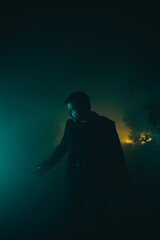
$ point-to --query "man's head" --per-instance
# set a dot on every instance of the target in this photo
(78, 104)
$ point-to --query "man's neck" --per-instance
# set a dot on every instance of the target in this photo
(86, 118)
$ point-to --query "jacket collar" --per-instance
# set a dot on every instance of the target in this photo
(93, 116)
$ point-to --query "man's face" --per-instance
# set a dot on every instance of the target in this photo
(74, 111)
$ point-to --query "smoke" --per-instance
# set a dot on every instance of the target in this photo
(153, 116)
(144, 123)
(142, 113)
(136, 121)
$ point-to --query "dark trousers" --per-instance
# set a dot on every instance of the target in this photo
(87, 209)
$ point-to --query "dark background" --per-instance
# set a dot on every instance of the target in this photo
(47, 52)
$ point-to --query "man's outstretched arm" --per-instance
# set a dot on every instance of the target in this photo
(55, 157)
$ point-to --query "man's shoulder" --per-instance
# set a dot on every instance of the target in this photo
(102, 120)
(69, 122)
(106, 121)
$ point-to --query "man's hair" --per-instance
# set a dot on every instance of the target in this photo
(81, 98)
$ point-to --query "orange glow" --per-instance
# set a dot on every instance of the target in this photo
(127, 140)
(143, 138)
(149, 139)
(124, 133)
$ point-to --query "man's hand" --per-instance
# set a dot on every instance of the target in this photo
(39, 171)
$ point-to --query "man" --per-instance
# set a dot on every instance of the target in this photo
(95, 164)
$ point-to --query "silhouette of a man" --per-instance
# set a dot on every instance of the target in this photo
(95, 164)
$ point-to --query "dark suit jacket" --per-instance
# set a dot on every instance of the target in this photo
(104, 157)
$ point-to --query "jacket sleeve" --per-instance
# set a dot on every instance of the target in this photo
(119, 158)
(59, 151)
